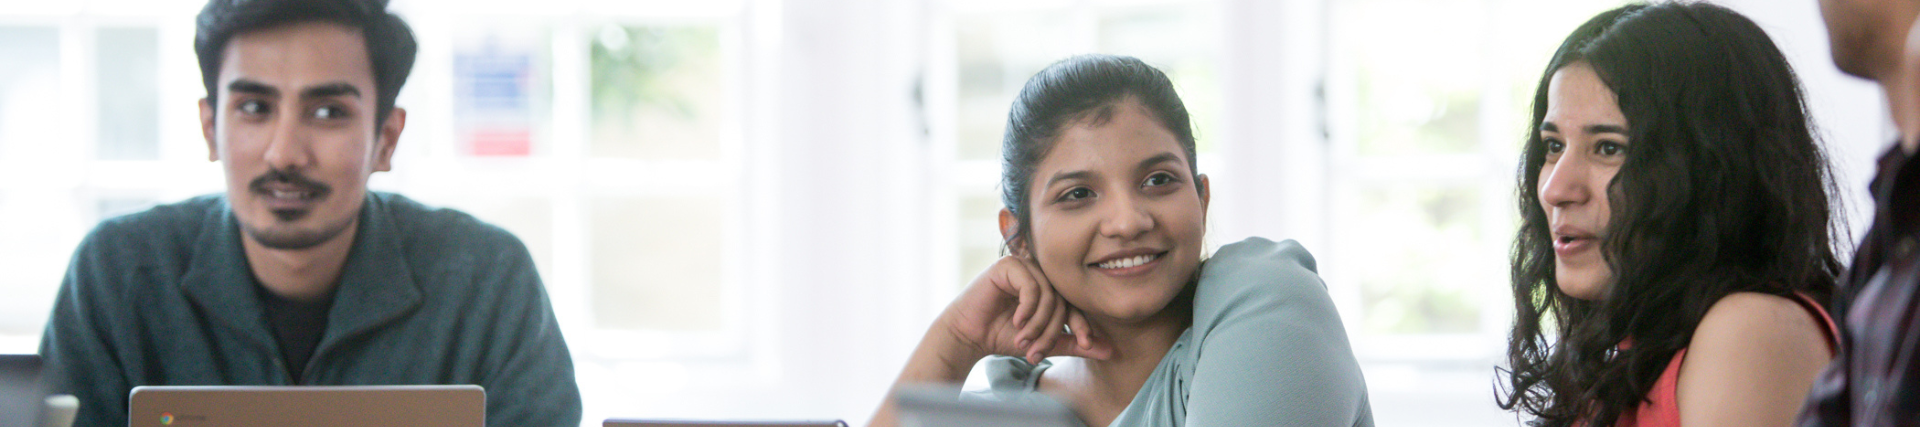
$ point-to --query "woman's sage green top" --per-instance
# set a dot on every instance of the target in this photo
(1266, 348)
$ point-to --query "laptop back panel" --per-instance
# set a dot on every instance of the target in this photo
(325, 406)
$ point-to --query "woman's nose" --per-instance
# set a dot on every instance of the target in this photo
(1564, 183)
(1126, 218)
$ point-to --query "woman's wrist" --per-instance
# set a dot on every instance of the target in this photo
(954, 352)
(938, 359)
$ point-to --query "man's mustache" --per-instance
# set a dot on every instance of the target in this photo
(259, 184)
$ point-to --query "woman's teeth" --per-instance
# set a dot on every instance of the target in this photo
(1128, 261)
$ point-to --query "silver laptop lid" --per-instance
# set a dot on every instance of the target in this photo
(308, 406)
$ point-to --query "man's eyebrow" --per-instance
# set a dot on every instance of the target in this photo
(252, 87)
(330, 90)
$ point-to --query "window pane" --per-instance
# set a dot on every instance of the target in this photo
(30, 311)
(500, 90)
(996, 54)
(1404, 109)
(38, 232)
(657, 92)
(979, 229)
(656, 263)
(127, 93)
(38, 223)
(1429, 236)
(29, 84)
(1181, 40)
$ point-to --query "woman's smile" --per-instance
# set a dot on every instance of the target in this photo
(1129, 263)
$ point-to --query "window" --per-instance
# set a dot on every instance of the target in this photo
(657, 95)
(610, 145)
(29, 82)
(80, 141)
(126, 93)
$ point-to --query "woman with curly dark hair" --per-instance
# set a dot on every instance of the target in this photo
(1676, 244)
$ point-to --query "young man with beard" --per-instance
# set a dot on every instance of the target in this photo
(298, 275)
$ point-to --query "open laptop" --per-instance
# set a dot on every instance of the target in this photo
(941, 406)
(21, 392)
(618, 422)
(308, 406)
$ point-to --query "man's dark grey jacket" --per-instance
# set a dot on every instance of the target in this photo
(428, 296)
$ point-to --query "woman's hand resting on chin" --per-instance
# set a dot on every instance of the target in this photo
(1011, 309)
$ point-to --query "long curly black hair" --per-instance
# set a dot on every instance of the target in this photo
(1724, 190)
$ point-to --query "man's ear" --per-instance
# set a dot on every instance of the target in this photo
(1206, 191)
(206, 128)
(1010, 233)
(388, 139)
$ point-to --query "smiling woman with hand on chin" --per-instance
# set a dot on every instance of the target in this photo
(1104, 222)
